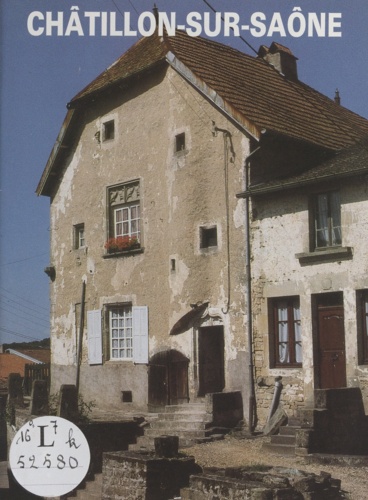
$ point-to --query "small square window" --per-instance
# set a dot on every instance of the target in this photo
(180, 142)
(79, 241)
(108, 130)
(208, 237)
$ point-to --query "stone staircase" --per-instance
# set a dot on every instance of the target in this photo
(190, 422)
(88, 490)
(284, 442)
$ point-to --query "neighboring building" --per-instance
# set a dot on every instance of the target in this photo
(143, 181)
(14, 361)
(310, 280)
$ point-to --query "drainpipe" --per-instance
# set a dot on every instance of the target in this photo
(80, 338)
(252, 395)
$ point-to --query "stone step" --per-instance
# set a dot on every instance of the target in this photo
(185, 408)
(288, 430)
(283, 439)
(194, 416)
(282, 449)
(185, 434)
(92, 490)
(168, 425)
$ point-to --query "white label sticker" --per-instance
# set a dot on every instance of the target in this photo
(49, 456)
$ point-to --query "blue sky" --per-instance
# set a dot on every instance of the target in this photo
(40, 74)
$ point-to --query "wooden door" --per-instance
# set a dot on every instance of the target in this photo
(211, 360)
(331, 347)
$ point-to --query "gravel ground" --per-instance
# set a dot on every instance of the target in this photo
(233, 452)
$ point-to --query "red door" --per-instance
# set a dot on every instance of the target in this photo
(331, 347)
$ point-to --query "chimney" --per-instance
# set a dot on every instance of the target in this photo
(155, 12)
(337, 97)
(281, 58)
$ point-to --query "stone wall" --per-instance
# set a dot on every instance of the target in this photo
(133, 476)
(262, 483)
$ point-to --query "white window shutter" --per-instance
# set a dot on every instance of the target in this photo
(140, 334)
(94, 332)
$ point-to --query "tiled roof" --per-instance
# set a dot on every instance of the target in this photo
(350, 162)
(249, 85)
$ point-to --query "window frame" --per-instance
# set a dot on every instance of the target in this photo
(362, 325)
(204, 237)
(273, 317)
(126, 313)
(108, 130)
(315, 246)
(180, 143)
(77, 229)
(124, 197)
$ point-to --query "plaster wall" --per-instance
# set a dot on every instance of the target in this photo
(280, 231)
(179, 193)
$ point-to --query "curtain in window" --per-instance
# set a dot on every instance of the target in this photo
(322, 221)
(283, 332)
(335, 218)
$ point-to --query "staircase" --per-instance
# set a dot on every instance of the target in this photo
(89, 490)
(283, 443)
(189, 421)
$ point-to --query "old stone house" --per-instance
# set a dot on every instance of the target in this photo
(149, 260)
(309, 280)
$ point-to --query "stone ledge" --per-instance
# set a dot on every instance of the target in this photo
(327, 255)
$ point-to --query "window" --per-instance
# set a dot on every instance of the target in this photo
(180, 142)
(108, 130)
(124, 217)
(362, 324)
(121, 332)
(285, 332)
(208, 237)
(79, 241)
(124, 336)
(326, 220)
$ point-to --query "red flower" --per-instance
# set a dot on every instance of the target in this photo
(121, 243)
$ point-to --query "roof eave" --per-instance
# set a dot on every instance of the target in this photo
(282, 186)
(43, 185)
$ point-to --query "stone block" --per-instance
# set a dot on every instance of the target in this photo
(39, 398)
(166, 446)
(15, 390)
(68, 403)
(278, 419)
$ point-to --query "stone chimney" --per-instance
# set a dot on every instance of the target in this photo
(281, 58)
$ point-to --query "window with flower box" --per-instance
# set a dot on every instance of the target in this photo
(124, 218)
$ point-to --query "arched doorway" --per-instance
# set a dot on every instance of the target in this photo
(168, 379)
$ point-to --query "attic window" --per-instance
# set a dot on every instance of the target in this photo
(108, 130)
(180, 142)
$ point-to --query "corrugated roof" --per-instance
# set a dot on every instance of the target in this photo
(248, 84)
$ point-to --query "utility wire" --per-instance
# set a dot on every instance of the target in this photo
(23, 260)
(23, 299)
(17, 334)
(241, 37)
